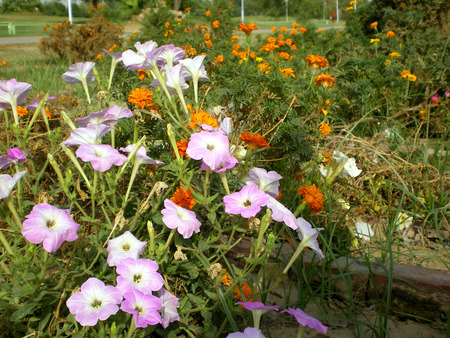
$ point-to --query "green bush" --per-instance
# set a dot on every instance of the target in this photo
(15, 6)
(54, 8)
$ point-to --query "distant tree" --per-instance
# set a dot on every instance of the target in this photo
(14, 6)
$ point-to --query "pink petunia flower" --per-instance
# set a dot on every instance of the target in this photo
(8, 182)
(124, 246)
(176, 217)
(169, 307)
(212, 148)
(282, 214)
(101, 156)
(247, 202)
(13, 155)
(257, 309)
(308, 236)
(49, 225)
(249, 332)
(141, 155)
(140, 274)
(266, 181)
(306, 320)
(143, 307)
(109, 116)
(81, 72)
(92, 134)
(95, 301)
(13, 93)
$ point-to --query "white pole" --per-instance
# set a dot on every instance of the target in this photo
(69, 8)
(242, 11)
(337, 11)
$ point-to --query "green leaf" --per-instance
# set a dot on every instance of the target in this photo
(211, 295)
(195, 299)
(227, 311)
(24, 311)
(211, 198)
(211, 217)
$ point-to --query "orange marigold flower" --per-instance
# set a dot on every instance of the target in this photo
(287, 72)
(219, 58)
(316, 61)
(374, 24)
(202, 117)
(265, 67)
(141, 73)
(390, 34)
(203, 27)
(189, 50)
(246, 290)
(293, 47)
(182, 146)
(208, 13)
(226, 279)
(234, 52)
(234, 38)
(269, 47)
(273, 29)
(242, 55)
(141, 98)
(394, 55)
(98, 57)
(178, 21)
(254, 140)
(48, 113)
(405, 74)
(302, 30)
(349, 9)
(216, 23)
(22, 111)
(320, 31)
(236, 46)
(281, 37)
(284, 55)
(288, 42)
(206, 36)
(183, 198)
(295, 25)
(283, 29)
(312, 196)
(327, 158)
(271, 40)
(402, 5)
(167, 24)
(293, 31)
(325, 80)
(327, 102)
(247, 29)
(187, 9)
(324, 128)
(252, 55)
(208, 43)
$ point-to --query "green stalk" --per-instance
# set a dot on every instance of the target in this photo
(223, 177)
(297, 253)
(7, 246)
(16, 116)
(15, 216)
(132, 328)
(130, 184)
(86, 90)
(93, 193)
(169, 240)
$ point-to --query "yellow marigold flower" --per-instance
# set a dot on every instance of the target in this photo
(324, 112)
(283, 29)
(141, 98)
(293, 31)
(394, 55)
(216, 24)
(253, 140)
(208, 13)
(353, 2)
(404, 74)
(312, 196)
(178, 20)
(183, 198)
(273, 29)
(287, 72)
(22, 111)
(349, 9)
(259, 59)
(234, 38)
(295, 25)
(387, 62)
(374, 24)
(316, 61)
(374, 40)
(390, 34)
(412, 77)
(302, 30)
(324, 128)
(325, 80)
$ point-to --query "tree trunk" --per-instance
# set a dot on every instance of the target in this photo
(177, 5)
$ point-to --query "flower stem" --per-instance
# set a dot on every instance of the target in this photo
(86, 90)
(93, 193)
(300, 331)
(130, 184)
(169, 240)
(223, 177)
(300, 208)
(6, 245)
(14, 213)
(297, 253)
(132, 328)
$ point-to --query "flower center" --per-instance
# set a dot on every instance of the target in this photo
(210, 147)
(247, 204)
(50, 224)
(139, 310)
(125, 247)
(96, 304)
(137, 278)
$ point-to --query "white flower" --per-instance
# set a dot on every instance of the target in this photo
(402, 221)
(363, 231)
(338, 158)
(124, 246)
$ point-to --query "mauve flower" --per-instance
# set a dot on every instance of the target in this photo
(169, 307)
(195, 69)
(143, 307)
(141, 155)
(308, 236)
(225, 166)
(13, 93)
(170, 55)
(140, 274)
(109, 116)
(257, 309)
(282, 214)
(49, 225)
(13, 155)
(145, 58)
(266, 181)
(184, 220)
(116, 56)
(249, 332)
(306, 320)
(101, 156)
(124, 246)
(95, 301)
(35, 103)
(212, 148)
(8, 182)
(92, 134)
(225, 126)
(247, 202)
(175, 81)
(80, 72)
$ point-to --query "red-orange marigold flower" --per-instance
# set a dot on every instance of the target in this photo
(141, 97)
(183, 198)
(247, 29)
(208, 13)
(325, 80)
(22, 111)
(216, 24)
(312, 196)
(202, 117)
(302, 30)
(316, 61)
(246, 290)
(254, 140)
(181, 146)
(390, 34)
